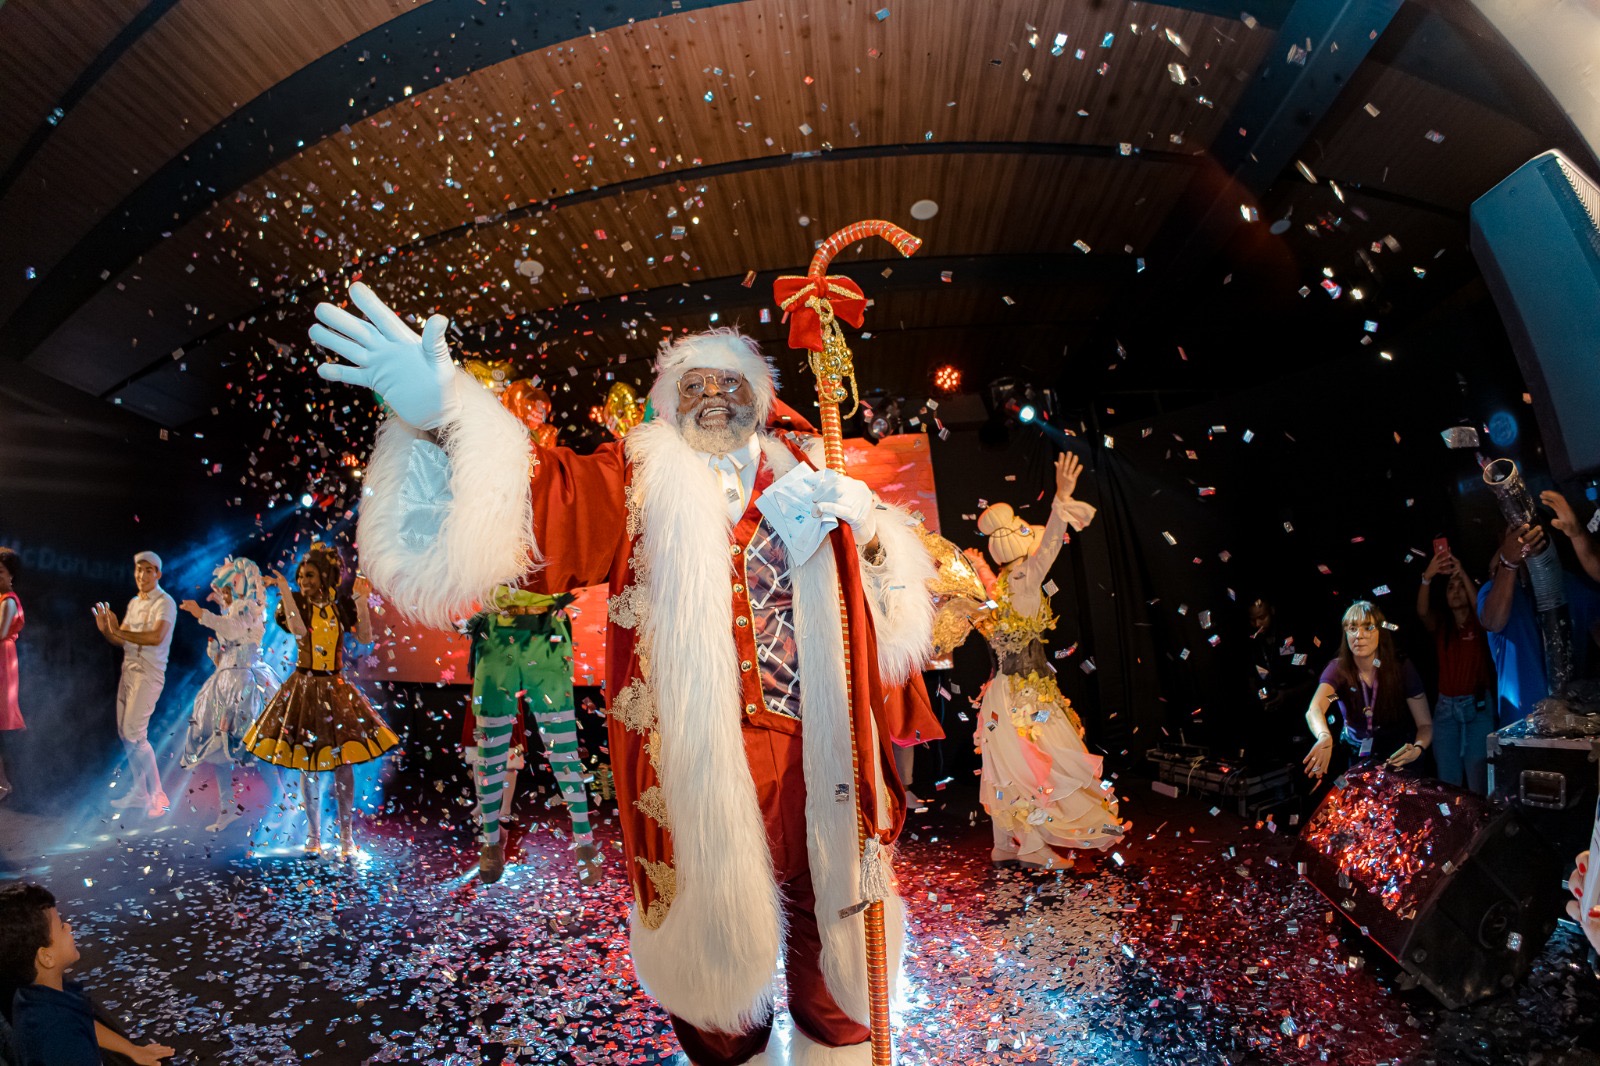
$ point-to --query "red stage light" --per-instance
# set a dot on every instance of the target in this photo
(947, 378)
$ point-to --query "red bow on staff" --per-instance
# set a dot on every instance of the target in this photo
(805, 325)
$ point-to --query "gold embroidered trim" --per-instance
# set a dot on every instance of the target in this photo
(628, 607)
(664, 879)
(630, 497)
(635, 707)
(653, 917)
(652, 804)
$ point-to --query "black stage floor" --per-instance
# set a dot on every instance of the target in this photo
(1195, 943)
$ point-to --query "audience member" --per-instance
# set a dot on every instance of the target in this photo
(144, 637)
(1282, 683)
(1374, 689)
(53, 1020)
(1506, 610)
(1463, 717)
(10, 629)
(1280, 665)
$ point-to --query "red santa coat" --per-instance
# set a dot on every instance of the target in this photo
(648, 518)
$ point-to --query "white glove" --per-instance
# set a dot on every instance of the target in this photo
(413, 374)
(850, 501)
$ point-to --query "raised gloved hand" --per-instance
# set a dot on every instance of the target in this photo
(413, 374)
(850, 501)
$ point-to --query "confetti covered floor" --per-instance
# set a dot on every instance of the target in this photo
(1199, 947)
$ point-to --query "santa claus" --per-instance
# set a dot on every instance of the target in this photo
(732, 692)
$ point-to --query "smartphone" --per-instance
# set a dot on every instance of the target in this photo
(1441, 546)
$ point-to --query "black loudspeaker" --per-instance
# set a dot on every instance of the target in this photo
(1552, 780)
(1536, 240)
(1456, 890)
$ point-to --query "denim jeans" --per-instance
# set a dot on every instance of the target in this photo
(1461, 728)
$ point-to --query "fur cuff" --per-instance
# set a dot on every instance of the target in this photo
(902, 606)
(803, 1051)
(482, 535)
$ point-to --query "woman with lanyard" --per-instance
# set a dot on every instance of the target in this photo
(1374, 690)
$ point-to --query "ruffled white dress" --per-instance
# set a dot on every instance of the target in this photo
(232, 698)
(1040, 784)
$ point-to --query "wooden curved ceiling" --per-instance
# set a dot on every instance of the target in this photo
(674, 151)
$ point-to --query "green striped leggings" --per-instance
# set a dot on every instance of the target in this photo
(513, 663)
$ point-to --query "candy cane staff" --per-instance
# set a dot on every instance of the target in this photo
(813, 304)
(730, 717)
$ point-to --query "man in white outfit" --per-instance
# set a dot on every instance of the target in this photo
(144, 636)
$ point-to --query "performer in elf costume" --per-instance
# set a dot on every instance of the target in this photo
(730, 714)
(521, 663)
(1040, 785)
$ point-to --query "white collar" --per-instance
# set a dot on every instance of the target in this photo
(740, 457)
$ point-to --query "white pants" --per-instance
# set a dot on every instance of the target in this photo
(136, 700)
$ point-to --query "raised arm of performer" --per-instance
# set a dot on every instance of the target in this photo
(1027, 575)
(448, 512)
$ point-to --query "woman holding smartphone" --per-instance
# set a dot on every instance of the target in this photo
(1382, 704)
(1464, 716)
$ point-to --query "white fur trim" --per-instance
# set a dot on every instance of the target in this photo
(717, 349)
(486, 536)
(897, 592)
(803, 1051)
(902, 606)
(713, 960)
(832, 846)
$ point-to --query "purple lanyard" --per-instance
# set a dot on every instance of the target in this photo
(1369, 696)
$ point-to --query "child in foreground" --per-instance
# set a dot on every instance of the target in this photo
(53, 1021)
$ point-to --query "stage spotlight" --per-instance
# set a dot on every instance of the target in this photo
(1026, 413)
(880, 415)
(947, 378)
(1503, 428)
(306, 499)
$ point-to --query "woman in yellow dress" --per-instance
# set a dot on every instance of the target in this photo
(1040, 785)
(318, 722)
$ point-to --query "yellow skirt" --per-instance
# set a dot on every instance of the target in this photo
(318, 722)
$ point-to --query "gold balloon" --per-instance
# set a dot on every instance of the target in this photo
(623, 409)
(494, 376)
(960, 601)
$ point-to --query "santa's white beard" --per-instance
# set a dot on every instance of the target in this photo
(719, 440)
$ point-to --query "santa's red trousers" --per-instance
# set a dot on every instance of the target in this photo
(778, 768)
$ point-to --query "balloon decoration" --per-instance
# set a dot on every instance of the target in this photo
(494, 376)
(959, 598)
(623, 410)
(522, 397)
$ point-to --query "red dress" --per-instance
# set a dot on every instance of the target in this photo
(10, 713)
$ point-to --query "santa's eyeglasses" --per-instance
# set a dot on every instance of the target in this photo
(721, 382)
